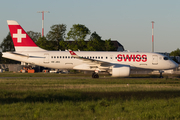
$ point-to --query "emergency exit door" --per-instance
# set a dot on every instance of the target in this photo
(46, 58)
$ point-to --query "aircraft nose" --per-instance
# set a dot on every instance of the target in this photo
(177, 65)
(174, 64)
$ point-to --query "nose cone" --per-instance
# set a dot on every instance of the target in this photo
(174, 64)
(177, 65)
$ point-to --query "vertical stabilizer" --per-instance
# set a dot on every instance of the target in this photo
(21, 40)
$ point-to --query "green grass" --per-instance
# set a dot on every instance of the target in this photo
(78, 97)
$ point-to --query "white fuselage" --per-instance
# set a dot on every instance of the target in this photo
(116, 63)
(64, 60)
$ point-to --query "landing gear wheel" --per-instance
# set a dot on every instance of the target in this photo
(95, 75)
(161, 74)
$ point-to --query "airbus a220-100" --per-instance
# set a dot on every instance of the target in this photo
(118, 64)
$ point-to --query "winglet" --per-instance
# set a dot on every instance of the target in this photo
(73, 53)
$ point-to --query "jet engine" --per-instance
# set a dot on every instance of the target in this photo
(120, 71)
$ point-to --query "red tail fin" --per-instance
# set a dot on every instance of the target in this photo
(21, 40)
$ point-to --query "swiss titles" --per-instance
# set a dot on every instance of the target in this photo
(131, 58)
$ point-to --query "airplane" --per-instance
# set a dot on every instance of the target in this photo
(118, 64)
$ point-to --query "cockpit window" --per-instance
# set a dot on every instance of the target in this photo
(166, 58)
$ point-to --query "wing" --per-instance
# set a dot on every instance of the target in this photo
(98, 64)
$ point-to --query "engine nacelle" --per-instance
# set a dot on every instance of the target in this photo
(121, 71)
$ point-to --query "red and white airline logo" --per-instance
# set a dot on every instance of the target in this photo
(72, 53)
(133, 58)
(19, 35)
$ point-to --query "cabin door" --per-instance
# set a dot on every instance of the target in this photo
(154, 59)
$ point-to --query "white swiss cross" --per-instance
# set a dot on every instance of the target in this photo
(19, 35)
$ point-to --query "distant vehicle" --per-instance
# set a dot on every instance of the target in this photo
(53, 71)
(116, 63)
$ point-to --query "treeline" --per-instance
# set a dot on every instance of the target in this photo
(57, 39)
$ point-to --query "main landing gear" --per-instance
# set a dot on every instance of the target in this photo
(95, 75)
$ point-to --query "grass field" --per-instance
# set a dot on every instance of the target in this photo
(79, 97)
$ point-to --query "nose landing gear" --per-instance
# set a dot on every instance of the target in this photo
(161, 74)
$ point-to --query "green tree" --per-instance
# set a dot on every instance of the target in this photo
(57, 33)
(95, 43)
(7, 44)
(34, 35)
(78, 33)
(109, 46)
(43, 43)
(65, 45)
(175, 52)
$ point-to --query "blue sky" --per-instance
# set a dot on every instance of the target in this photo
(128, 21)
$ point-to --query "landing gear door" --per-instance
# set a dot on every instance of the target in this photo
(46, 58)
(155, 60)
